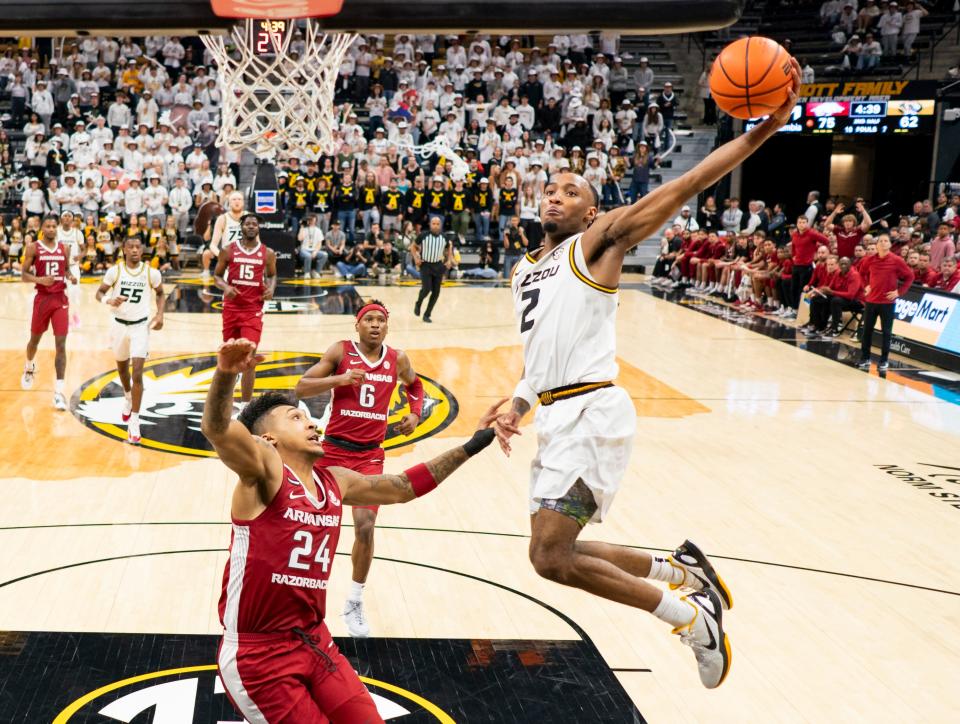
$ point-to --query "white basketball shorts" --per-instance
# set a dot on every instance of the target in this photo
(130, 340)
(587, 438)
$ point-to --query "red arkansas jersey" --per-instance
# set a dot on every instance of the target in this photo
(245, 274)
(359, 413)
(276, 577)
(51, 263)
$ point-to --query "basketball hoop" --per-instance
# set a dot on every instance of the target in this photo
(275, 99)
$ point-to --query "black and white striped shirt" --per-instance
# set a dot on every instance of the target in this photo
(432, 246)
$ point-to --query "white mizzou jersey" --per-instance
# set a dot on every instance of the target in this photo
(137, 285)
(231, 230)
(567, 320)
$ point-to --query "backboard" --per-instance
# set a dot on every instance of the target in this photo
(55, 17)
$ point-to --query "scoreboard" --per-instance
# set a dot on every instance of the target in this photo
(900, 111)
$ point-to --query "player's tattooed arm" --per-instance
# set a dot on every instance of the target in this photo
(508, 424)
(253, 459)
(417, 481)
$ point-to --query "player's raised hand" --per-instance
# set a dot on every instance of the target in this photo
(352, 376)
(238, 355)
(506, 426)
(488, 418)
(782, 114)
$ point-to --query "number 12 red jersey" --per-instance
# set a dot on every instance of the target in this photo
(360, 412)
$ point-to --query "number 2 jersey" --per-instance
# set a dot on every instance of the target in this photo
(137, 286)
(568, 321)
(279, 566)
(245, 273)
(359, 412)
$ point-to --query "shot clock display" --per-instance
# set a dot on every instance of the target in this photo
(268, 36)
(896, 112)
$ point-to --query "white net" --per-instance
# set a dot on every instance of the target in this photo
(282, 100)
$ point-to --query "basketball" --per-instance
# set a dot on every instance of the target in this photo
(751, 77)
(206, 215)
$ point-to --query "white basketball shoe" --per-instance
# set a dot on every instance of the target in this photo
(356, 622)
(699, 573)
(29, 372)
(704, 634)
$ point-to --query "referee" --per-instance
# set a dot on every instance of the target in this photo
(431, 254)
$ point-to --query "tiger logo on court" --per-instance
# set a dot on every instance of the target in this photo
(174, 390)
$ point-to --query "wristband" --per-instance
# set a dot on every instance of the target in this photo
(421, 479)
(479, 441)
(526, 393)
(415, 396)
(105, 300)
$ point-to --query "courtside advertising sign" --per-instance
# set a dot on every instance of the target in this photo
(929, 317)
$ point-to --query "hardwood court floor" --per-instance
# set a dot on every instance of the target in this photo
(787, 468)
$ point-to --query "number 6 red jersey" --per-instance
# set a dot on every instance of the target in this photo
(279, 566)
(359, 412)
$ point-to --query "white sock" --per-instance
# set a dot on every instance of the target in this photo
(29, 366)
(135, 418)
(59, 386)
(128, 395)
(356, 591)
(662, 570)
(673, 611)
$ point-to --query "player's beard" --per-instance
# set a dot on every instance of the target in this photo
(551, 227)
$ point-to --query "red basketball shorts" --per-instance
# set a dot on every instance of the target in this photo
(281, 679)
(50, 309)
(245, 323)
(365, 462)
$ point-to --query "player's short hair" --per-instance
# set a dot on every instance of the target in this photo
(135, 238)
(250, 214)
(50, 217)
(253, 414)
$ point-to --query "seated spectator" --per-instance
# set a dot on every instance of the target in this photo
(870, 52)
(351, 264)
(949, 280)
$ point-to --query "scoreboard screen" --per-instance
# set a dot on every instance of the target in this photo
(269, 36)
(899, 108)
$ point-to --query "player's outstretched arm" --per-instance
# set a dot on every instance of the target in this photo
(419, 480)
(624, 228)
(508, 424)
(252, 458)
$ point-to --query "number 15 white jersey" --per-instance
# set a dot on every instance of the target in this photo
(567, 319)
(137, 285)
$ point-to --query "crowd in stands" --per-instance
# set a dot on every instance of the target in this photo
(868, 30)
(767, 261)
(121, 133)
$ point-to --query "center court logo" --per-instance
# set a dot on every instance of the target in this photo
(195, 694)
(175, 389)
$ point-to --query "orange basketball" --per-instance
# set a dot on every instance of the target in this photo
(751, 77)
